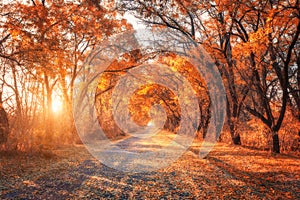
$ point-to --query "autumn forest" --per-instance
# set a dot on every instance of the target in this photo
(149, 99)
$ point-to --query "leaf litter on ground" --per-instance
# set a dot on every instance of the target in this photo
(227, 172)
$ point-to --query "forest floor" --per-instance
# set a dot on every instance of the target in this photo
(228, 172)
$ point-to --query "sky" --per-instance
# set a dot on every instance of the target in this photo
(134, 21)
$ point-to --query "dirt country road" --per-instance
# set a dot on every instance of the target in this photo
(228, 172)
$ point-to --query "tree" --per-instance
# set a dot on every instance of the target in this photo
(49, 40)
(271, 52)
(205, 23)
(256, 39)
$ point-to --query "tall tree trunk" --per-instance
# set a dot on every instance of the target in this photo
(236, 139)
(17, 94)
(276, 146)
(205, 116)
(49, 129)
(70, 126)
(4, 125)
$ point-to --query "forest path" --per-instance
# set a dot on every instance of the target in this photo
(228, 172)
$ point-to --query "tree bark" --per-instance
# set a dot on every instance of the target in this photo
(236, 139)
(4, 124)
(276, 146)
(49, 129)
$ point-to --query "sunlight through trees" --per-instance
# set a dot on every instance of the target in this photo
(255, 45)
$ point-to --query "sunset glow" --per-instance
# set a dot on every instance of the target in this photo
(57, 104)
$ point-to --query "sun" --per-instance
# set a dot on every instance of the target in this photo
(57, 104)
